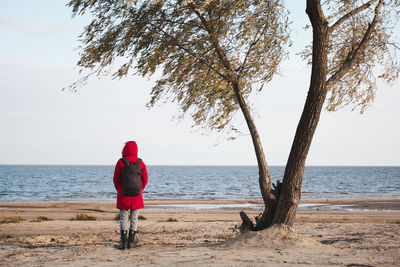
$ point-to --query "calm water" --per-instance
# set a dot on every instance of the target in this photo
(56, 183)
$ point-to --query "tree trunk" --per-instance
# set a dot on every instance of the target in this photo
(269, 198)
(289, 192)
(283, 209)
(264, 179)
(291, 188)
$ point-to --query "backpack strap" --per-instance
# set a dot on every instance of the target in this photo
(126, 161)
(139, 160)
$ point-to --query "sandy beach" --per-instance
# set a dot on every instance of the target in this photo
(343, 232)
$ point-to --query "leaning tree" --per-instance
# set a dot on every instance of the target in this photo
(212, 56)
(213, 53)
(352, 48)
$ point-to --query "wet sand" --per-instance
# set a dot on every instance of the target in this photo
(344, 232)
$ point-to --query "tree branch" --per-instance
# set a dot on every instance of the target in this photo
(355, 53)
(188, 51)
(82, 80)
(350, 14)
(250, 48)
(181, 23)
(315, 13)
(221, 55)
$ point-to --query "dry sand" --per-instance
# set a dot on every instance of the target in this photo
(367, 237)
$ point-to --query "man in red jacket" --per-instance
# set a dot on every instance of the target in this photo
(129, 205)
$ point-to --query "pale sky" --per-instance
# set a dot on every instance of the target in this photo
(40, 124)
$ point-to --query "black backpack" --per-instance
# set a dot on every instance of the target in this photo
(132, 178)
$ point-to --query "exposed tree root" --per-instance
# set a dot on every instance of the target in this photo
(247, 223)
(263, 220)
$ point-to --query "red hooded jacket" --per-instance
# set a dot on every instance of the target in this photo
(130, 152)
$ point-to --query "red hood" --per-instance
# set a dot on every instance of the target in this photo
(130, 150)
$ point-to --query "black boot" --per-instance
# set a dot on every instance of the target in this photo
(131, 238)
(123, 240)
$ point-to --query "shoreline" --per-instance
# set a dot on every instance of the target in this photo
(195, 237)
(373, 204)
(337, 210)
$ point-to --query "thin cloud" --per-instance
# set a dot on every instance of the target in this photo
(37, 27)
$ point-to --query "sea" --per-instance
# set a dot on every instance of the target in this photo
(95, 183)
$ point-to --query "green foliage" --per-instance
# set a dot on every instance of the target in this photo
(202, 48)
(374, 56)
(141, 217)
(84, 217)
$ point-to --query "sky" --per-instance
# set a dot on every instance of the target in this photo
(41, 124)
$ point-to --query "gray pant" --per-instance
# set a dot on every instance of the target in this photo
(123, 219)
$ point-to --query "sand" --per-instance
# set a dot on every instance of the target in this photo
(368, 234)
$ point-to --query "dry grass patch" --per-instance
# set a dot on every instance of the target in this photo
(172, 219)
(83, 217)
(12, 219)
(41, 219)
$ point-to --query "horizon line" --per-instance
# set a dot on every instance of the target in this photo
(189, 165)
